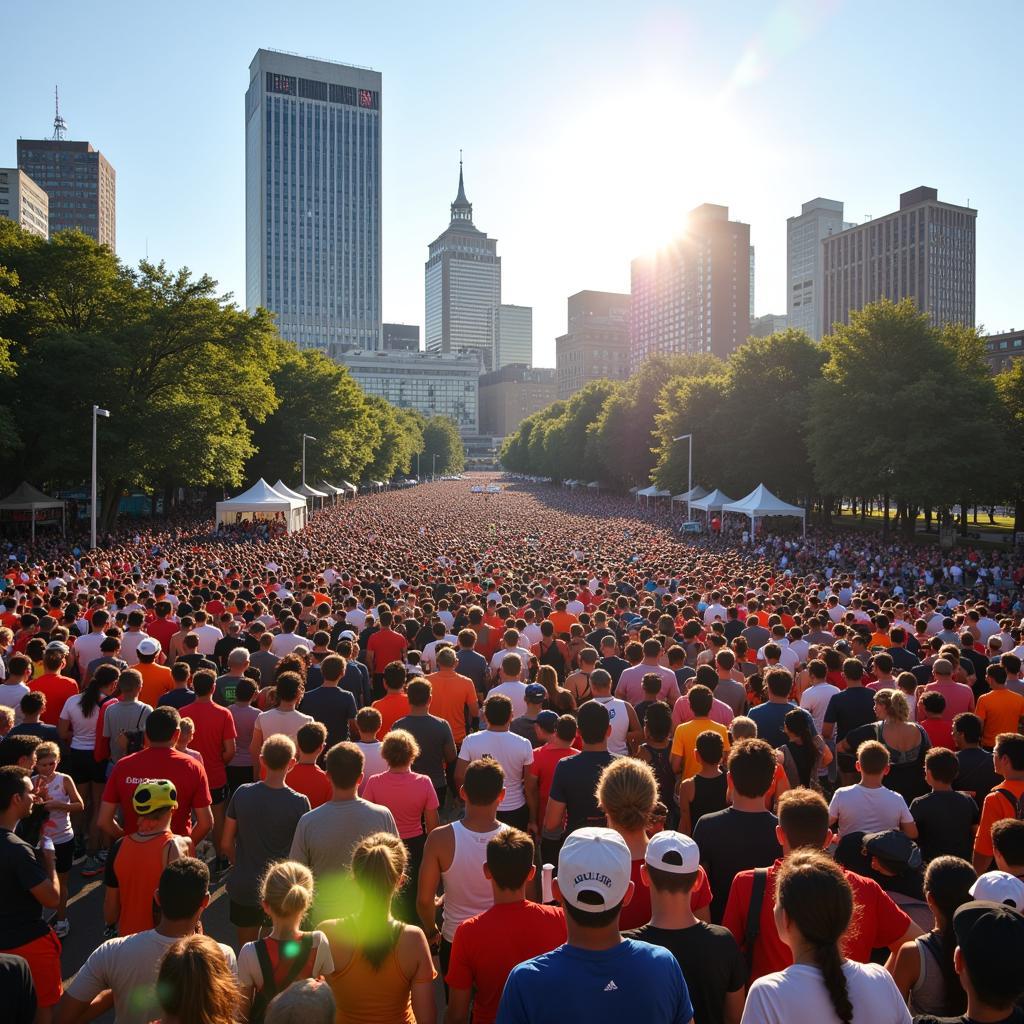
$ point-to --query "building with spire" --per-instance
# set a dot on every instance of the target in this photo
(79, 182)
(463, 287)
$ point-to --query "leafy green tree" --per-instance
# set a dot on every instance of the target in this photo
(9, 440)
(1010, 389)
(565, 438)
(401, 437)
(441, 438)
(698, 406)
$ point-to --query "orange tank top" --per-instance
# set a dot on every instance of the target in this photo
(365, 995)
(138, 866)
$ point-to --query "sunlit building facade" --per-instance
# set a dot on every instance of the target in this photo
(805, 272)
(313, 199)
(515, 336)
(24, 202)
(595, 345)
(462, 279)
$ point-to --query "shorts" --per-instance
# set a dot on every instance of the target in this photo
(43, 958)
(85, 769)
(238, 776)
(219, 795)
(243, 916)
(64, 856)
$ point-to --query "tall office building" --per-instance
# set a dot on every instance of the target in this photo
(401, 338)
(924, 251)
(768, 323)
(509, 394)
(694, 295)
(595, 345)
(79, 182)
(462, 278)
(515, 336)
(805, 274)
(24, 202)
(313, 199)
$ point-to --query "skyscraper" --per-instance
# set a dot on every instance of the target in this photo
(694, 295)
(805, 274)
(24, 202)
(924, 251)
(595, 345)
(515, 336)
(462, 279)
(79, 182)
(313, 199)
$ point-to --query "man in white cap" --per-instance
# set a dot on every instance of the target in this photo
(710, 959)
(608, 979)
(999, 887)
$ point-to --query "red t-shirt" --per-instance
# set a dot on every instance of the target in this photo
(163, 630)
(312, 782)
(638, 911)
(214, 725)
(877, 921)
(488, 946)
(56, 689)
(386, 646)
(187, 774)
(544, 760)
(940, 732)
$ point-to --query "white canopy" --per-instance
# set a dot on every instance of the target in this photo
(311, 492)
(351, 488)
(691, 496)
(653, 492)
(282, 488)
(330, 488)
(262, 501)
(28, 499)
(713, 502)
(595, 485)
(760, 503)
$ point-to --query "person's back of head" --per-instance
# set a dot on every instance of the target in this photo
(510, 856)
(183, 889)
(498, 710)
(803, 819)
(332, 668)
(196, 983)
(1008, 845)
(593, 721)
(872, 759)
(658, 721)
(289, 686)
(967, 728)
(394, 677)
(627, 791)
(484, 782)
(700, 698)
(752, 767)
(989, 939)
(344, 764)
(600, 681)
(305, 1002)
(369, 721)
(162, 724)
(779, 682)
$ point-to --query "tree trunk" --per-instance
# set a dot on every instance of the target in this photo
(885, 516)
(863, 509)
(963, 519)
(113, 491)
(928, 519)
(975, 515)
(992, 515)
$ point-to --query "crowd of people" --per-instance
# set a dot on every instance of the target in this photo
(529, 756)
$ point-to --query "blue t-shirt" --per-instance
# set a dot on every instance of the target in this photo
(631, 981)
(769, 718)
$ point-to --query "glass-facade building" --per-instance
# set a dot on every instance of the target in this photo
(313, 200)
(805, 271)
(462, 279)
(515, 336)
(433, 384)
(80, 186)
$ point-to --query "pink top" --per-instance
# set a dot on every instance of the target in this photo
(407, 795)
(958, 698)
(720, 712)
(630, 686)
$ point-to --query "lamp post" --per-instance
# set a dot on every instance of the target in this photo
(433, 467)
(689, 469)
(418, 480)
(96, 411)
(305, 438)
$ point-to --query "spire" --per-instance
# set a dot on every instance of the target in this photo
(59, 125)
(462, 208)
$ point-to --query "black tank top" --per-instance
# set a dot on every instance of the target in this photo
(709, 795)
(663, 774)
(553, 657)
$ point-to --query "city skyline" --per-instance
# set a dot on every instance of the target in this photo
(578, 164)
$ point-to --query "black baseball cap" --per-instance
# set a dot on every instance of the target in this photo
(991, 938)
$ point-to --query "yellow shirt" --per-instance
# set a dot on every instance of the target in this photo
(684, 743)
(999, 711)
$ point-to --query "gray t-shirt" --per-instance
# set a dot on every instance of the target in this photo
(432, 734)
(527, 728)
(733, 693)
(123, 716)
(266, 663)
(325, 840)
(266, 820)
(128, 967)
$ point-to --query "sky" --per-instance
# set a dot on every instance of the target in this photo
(588, 129)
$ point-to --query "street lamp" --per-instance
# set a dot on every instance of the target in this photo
(689, 469)
(305, 438)
(433, 467)
(96, 411)
(418, 480)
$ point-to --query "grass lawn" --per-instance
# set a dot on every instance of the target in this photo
(1003, 524)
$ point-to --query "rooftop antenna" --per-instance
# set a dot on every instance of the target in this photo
(59, 124)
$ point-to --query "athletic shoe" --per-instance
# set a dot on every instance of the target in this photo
(93, 866)
(61, 928)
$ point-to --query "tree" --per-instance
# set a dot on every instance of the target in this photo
(441, 438)
(401, 437)
(9, 441)
(1010, 389)
(696, 405)
(565, 438)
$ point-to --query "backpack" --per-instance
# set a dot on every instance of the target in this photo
(1017, 803)
(294, 966)
(753, 927)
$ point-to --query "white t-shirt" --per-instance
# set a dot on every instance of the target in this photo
(861, 809)
(83, 730)
(373, 761)
(128, 967)
(618, 719)
(815, 700)
(787, 656)
(714, 611)
(208, 637)
(250, 975)
(798, 995)
(87, 648)
(285, 723)
(10, 696)
(524, 657)
(516, 692)
(512, 752)
(285, 643)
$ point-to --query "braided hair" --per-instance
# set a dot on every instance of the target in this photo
(817, 899)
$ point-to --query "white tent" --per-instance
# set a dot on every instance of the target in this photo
(690, 496)
(652, 492)
(713, 502)
(282, 488)
(311, 492)
(595, 485)
(261, 501)
(761, 503)
(330, 489)
(28, 501)
(350, 488)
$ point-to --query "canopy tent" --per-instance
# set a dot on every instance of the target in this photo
(595, 485)
(330, 489)
(262, 502)
(652, 492)
(691, 495)
(282, 488)
(28, 502)
(311, 492)
(715, 501)
(350, 488)
(761, 503)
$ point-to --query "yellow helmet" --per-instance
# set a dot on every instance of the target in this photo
(154, 795)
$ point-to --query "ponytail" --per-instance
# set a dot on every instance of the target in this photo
(287, 888)
(830, 963)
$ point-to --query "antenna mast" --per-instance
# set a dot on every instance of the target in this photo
(59, 125)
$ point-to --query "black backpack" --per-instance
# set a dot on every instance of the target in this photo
(271, 988)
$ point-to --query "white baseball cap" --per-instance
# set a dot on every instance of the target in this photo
(594, 861)
(999, 887)
(674, 852)
(148, 646)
